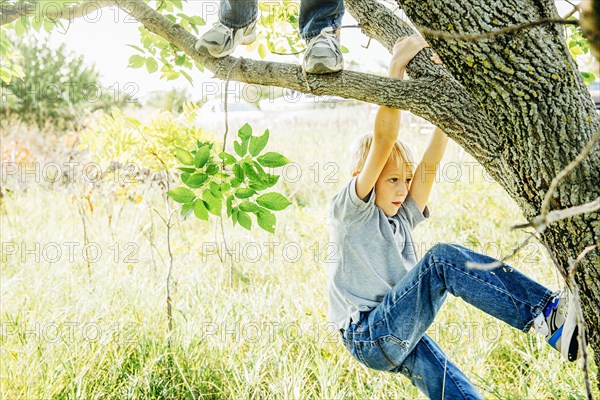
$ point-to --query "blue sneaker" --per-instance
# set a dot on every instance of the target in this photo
(559, 324)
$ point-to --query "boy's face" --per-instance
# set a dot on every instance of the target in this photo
(392, 186)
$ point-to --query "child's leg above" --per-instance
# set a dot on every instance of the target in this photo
(319, 22)
(238, 13)
(316, 15)
(236, 25)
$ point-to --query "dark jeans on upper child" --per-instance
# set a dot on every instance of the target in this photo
(391, 337)
(315, 15)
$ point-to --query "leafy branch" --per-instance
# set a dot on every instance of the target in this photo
(237, 183)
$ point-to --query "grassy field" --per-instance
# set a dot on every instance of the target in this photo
(91, 325)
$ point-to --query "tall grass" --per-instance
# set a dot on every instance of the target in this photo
(72, 333)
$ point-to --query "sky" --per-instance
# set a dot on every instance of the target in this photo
(102, 39)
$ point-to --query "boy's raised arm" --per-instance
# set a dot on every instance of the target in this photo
(426, 171)
(387, 122)
(385, 134)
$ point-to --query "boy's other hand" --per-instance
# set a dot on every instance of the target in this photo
(405, 49)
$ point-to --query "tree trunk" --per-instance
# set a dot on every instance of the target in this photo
(530, 89)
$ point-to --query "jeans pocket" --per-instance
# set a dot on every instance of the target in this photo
(383, 354)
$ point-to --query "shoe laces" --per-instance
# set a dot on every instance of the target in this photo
(326, 37)
(219, 27)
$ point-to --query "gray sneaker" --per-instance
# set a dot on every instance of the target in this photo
(220, 40)
(323, 54)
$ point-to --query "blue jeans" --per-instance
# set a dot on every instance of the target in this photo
(391, 337)
(314, 15)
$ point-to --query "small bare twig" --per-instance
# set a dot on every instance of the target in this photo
(167, 221)
(500, 263)
(567, 170)
(160, 216)
(540, 222)
(580, 321)
(226, 103)
(485, 35)
(169, 298)
(305, 76)
(580, 257)
(86, 241)
(573, 4)
(149, 235)
(572, 12)
(226, 108)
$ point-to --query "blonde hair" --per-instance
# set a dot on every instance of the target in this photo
(361, 147)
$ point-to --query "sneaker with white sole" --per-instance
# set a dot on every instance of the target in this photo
(221, 41)
(323, 53)
(559, 325)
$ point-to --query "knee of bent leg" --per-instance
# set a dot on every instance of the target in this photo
(439, 250)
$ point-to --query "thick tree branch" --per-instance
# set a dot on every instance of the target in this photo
(365, 87)
(433, 96)
(12, 12)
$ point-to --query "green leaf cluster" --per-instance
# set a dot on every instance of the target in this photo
(236, 182)
(22, 26)
(156, 53)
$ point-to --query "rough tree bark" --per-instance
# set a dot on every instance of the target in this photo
(516, 102)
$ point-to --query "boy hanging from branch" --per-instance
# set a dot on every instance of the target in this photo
(383, 298)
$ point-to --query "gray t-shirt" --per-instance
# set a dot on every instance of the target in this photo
(375, 252)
